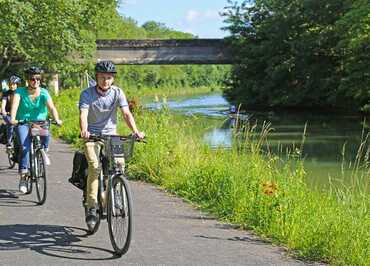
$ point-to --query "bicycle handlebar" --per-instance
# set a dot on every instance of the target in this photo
(95, 137)
(38, 122)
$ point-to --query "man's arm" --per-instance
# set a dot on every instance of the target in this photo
(83, 123)
(130, 121)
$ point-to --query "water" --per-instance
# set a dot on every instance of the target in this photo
(331, 141)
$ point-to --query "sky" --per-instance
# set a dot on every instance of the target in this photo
(199, 17)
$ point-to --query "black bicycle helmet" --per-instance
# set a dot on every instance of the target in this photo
(105, 67)
(34, 70)
(14, 79)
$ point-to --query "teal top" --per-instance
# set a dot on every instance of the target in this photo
(32, 110)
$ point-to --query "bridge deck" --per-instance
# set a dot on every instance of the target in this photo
(183, 51)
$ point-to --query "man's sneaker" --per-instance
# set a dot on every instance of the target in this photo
(23, 184)
(91, 218)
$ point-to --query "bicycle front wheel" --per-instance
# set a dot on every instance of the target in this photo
(40, 177)
(119, 212)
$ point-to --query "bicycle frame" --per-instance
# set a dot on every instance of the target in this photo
(110, 170)
(35, 145)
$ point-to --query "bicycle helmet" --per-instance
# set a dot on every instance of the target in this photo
(14, 80)
(34, 70)
(105, 67)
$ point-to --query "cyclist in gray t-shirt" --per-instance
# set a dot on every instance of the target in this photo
(98, 115)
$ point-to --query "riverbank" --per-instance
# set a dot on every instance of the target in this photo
(165, 92)
(252, 190)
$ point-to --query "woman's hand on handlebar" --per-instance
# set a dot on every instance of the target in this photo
(58, 122)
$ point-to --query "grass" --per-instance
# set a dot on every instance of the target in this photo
(245, 186)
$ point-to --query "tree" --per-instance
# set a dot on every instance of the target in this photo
(161, 31)
(300, 53)
(354, 28)
(51, 33)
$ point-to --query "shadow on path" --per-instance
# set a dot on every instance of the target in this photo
(10, 198)
(250, 239)
(51, 240)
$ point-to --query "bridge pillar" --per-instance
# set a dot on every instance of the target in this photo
(54, 83)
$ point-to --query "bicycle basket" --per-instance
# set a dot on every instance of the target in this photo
(122, 147)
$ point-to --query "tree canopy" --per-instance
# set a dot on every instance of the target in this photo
(49, 32)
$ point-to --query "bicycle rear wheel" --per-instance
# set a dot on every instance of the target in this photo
(11, 157)
(119, 214)
(40, 172)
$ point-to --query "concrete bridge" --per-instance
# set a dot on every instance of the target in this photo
(160, 52)
(157, 52)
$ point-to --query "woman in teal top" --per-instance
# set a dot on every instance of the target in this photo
(31, 104)
(32, 110)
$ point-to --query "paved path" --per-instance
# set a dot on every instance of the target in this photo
(167, 231)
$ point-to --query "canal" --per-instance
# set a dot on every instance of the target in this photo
(329, 144)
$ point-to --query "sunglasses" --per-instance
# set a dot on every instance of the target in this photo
(34, 79)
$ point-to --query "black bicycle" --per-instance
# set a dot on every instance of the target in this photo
(37, 168)
(11, 146)
(113, 183)
(11, 151)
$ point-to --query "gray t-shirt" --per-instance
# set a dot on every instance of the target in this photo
(102, 117)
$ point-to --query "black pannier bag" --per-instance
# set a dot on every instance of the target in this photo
(3, 133)
(79, 172)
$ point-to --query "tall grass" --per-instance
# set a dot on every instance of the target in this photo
(246, 187)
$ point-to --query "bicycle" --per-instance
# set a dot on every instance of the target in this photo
(11, 147)
(113, 182)
(11, 151)
(37, 155)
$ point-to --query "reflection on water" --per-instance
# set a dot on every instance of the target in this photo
(212, 105)
(331, 141)
(219, 137)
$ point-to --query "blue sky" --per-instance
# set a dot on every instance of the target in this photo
(197, 17)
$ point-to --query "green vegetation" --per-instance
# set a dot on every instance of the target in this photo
(172, 78)
(305, 54)
(53, 33)
(243, 186)
(48, 33)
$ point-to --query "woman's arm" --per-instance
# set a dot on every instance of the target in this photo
(14, 109)
(3, 104)
(53, 111)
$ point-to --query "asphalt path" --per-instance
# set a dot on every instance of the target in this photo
(167, 231)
